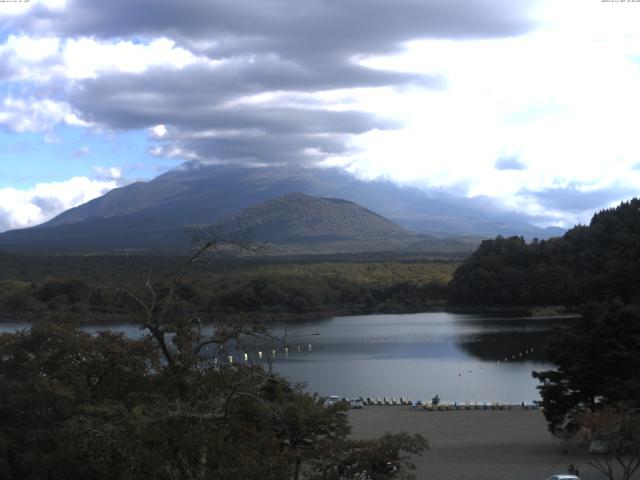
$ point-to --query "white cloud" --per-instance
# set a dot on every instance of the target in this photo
(27, 49)
(43, 64)
(37, 59)
(564, 100)
(25, 208)
(87, 57)
(158, 131)
(171, 151)
(108, 173)
(32, 115)
(13, 8)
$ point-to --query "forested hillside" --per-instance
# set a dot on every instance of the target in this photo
(302, 218)
(594, 262)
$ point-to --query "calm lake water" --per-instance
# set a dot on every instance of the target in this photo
(459, 357)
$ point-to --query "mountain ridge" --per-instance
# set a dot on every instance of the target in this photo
(155, 214)
(197, 194)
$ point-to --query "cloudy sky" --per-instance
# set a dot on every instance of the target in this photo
(535, 104)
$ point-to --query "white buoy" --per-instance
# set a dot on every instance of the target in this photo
(259, 354)
(286, 350)
(246, 357)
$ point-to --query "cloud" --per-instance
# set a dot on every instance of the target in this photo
(158, 131)
(193, 107)
(577, 198)
(87, 58)
(33, 115)
(31, 50)
(510, 163)
(226, 27)
(421, 92)
(566, 121)
(25, 208)
(202, 71)
(108, 173)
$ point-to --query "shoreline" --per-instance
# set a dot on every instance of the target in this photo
(533, 313)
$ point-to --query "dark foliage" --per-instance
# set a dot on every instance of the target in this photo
(298, 294)
(75, 406)
(598, 363)
(33, 285)
(594, 262)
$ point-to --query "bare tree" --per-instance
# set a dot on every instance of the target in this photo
(612, 438)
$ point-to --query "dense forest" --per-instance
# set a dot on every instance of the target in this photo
(597, 365)
(594, 262)
(88, 286)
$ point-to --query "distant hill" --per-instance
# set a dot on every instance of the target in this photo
(594, 262)
(300, 218)
(155, 215)
(297, 223)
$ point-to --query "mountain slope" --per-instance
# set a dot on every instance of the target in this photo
(300, 218)
(155, 214)
(195, 194)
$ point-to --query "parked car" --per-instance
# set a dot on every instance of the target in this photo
(331, 400)
(598, 446)
(563, 477)
(357, 403)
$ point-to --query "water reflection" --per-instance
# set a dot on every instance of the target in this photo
(510, 339)
(459, 357)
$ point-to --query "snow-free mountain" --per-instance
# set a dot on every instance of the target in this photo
(299, 218)
(157, 214)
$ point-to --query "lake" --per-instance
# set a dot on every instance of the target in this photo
(459, 357)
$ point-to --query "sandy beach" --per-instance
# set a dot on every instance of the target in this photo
(475, 444)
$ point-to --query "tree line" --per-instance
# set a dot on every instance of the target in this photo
(594, 262)
(270, 288)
